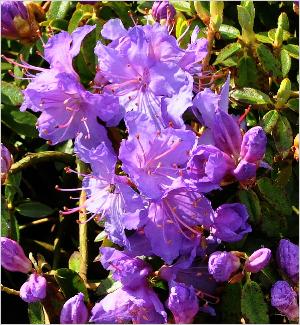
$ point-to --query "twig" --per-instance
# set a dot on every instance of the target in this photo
(57, 244)
(83, 248)
(35, 158)
(210, 40)
(10, 291)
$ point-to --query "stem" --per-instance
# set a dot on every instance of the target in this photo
(210, 40)
(10, 291)
(83, 247)
(57, 244)
(36, 222)
(35, 158)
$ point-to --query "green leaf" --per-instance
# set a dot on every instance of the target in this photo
(12, 186)
(274, 195)
(231, 62)
(76, 18)
(227, 51)
(247, 72)
(244, 18)
(108, 285)
(34, 209)
(144, 6)
(283, 135)
(293, 50)
(251, 201)
(183, 6)
(271, 34)
(253, 304)
(250, 96)
(58, 9)
(11, 94)
(36, 313)
(231, 304)
(74, 261)
(70, 283)
(229, 32)
(269, 63)
(293, 104)
(101, 236)
(285, 61)
(181, 24)
(263, 37)
(269, 120)
(9, 223)
(23, 123)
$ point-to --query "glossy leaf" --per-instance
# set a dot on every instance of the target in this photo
(228, 32)
(270, 120)
(58, 9)
(247, 72)
(251, 201)
(285, 61)
(36, 313)
(269, 63)
(250, 96)
(11, 94)
(227, 51)
(34, 209)
(293, 50)
(283, 135)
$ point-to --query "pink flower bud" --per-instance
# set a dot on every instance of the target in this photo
(74, 311)
(34, 289)
(258, 260)
(6, 162)
(13, 257)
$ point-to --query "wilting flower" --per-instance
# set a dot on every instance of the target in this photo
(176, 218)
(135, 301)
(284, 298)
(258, 260)
(13, 257)
(183, 302)
(154, 160)
(6, 162)
(230, 222)
(287, 256)
(66, 107)
(163, 10)
(74, 311)
(34, 289)
(222, 264)
(17, 22)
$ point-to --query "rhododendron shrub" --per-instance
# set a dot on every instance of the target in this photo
(149, 162)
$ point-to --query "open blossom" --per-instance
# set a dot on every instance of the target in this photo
(183, 302)
(287, 257)
(230, 222)
(174, 219)
(34, 289)
(258, 260)
(74, 311)
(66, 107)
(154, 160)
(13, 257)
(222, 264)
(142, 68)
(284, 298)
(135, 301)
(6, 162)
(108, 194)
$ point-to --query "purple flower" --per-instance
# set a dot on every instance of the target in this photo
(135, 301)
(154, 161)
(34, 289)
(258, 260)
(13, 257)
(74, 311)
(254, 145)
(244, 170)
(287, 257)
(222, 264)
(6, 162)
(207, 167)
(230, 222)
(67, 108)
(182, 302)
(174, 219)
(108, 194)
(16, 22)
(142, 68)
(163, 10)
(284, 298)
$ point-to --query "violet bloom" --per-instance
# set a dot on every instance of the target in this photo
(142, 67)
(182, 302)
(287, 257)
(284, 298)
(154, 160)
(175, 218)
(34, 289)
(74, 311)
(207, 167)
(13, 257)
(135, 301)
(222, 264)
(108, 194)
(66, 107)
(230, 222)
(6, 162)
(163, 10)
(258, 260)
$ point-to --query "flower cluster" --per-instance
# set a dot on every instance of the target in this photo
(151, 192)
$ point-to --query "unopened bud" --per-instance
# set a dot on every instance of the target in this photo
(34, 289)
(163, 10)
(216, 14)
(6, 162)
(74, 311)
(258, 260)
(284, 93)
